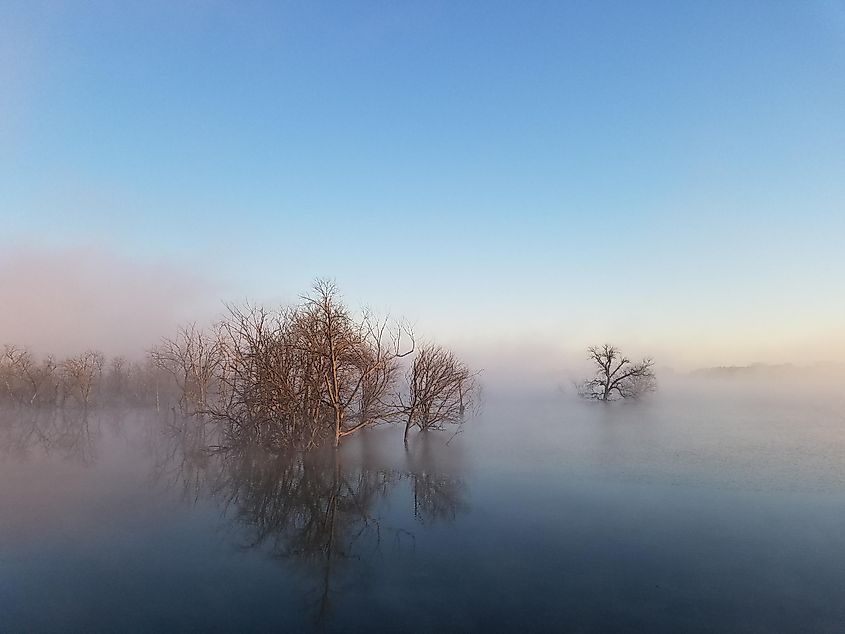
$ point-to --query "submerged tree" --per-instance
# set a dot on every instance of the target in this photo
(85, 379)
(81, 374)
(439, 389)
(616, 376)
(290, 378)
(359, 358)
(192, 358)
(24, 380)
(309, 373)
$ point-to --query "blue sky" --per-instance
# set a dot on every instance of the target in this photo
(670, 175)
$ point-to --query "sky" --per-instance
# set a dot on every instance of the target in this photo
(524, 177)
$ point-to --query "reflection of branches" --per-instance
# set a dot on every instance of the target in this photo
(183, 454)
(77, 434)
(438, 496)
(308, 507)
(71, 433)
(318, 509)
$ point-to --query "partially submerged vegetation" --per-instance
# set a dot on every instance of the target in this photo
(78, 381)
(616, 376)
(291, 377)
(302, 375)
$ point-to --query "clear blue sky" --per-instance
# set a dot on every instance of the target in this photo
(668, 173)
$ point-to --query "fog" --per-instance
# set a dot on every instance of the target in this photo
(65, 300)
(208, 471)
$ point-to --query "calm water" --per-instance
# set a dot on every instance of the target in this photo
(698, 510)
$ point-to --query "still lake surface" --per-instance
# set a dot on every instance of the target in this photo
(697, 510)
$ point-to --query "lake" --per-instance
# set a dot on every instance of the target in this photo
(700, 509)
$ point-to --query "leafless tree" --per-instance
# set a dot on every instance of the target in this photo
(313, 372)
(359, 360)
(616, 376)
(23, 379)
(28, 381)
(117, 378)
(299, 376)
(146, 381)
(80, 375)
(193, 358)
(270, 385)
(438, 392)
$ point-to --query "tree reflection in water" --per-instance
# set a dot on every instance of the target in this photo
(71, 433)
(317, 509)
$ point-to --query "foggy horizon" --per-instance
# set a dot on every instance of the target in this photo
(68, 299)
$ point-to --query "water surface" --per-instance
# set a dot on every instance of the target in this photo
(696, 510)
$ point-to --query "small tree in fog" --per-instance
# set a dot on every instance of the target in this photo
(117, 377)
(616, 376)
(439, 389)
(24, 380)
(193, 359)
(80, 375)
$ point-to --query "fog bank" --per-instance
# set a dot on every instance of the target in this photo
(62, 301)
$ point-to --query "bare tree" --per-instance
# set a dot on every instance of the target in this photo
(358, 358)
(296, 377)
(193, 359)
(117, 378)
(439, 389)
(270, 385)
(24, 380)
(80, 375)
(616, 376)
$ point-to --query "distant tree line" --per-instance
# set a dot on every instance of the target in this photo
(82, 380)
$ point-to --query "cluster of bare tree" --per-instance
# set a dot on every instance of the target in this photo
(301, 375)
(616, 376)
(81, 380)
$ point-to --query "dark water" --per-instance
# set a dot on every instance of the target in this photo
(693, 511)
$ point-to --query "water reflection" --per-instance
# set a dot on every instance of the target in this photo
(686, 515)
(68, 432)
(324, 511)
(437, 495)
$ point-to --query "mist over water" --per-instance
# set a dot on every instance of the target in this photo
(175, 497)
(706, 506)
